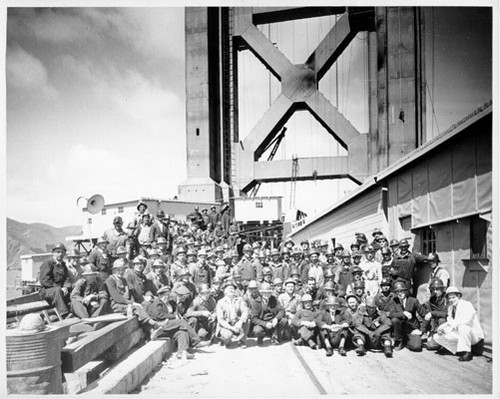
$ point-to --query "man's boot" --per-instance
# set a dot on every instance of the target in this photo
(466, 357)
(388, 350)
(360, 350)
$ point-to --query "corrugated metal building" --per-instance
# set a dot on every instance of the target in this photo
(440, 197)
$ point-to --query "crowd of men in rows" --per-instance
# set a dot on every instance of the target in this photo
(189, 283)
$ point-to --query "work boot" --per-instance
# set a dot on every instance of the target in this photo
(312, 344)
(399, 345)
(342, 351)
(184, 355)
(360, 350)
(388, 350)
(466, 357)
(260, 341)
(297, 342)
(155, 333)
(202, 344)
(329, 351)
(478, 349)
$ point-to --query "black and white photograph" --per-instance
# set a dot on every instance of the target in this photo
(250, 199)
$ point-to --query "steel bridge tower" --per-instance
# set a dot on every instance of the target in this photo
(220, 165)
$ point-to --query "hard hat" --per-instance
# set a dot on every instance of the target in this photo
(256, 244)
(360, 237)
(265, 288)
(382, 238)
(59, 247)
(179, 250)
(328, 273)
(160, 214)
(121, 250)
(266, 271)
(75, 253)
(274, 251)
(346, 253)
(181, 289)
(332, 301)
(202, 252)
(386, 251)
(289, 241)
(377, 231)
(158, 263)
(338, 246)
(31, 323)
(164, 289)
(161, 240)
(203, 288)
(452, 290)
(385, 281)
(277, 281)
(400, 286)
(356, 254)
(306, 298)
(261, 254)
(294, 272)
(359, 284)
(369, 248)
(236, 273)
(227, 283)
(351, 296)
(247, 248)
(191, 252)
(314, 251)
(102, 240)
(354, 244)
(304, 242)
(119, 264)
(394, 243)
(296, 251)
(357, 269)
(370, 302)
(139, 259)
(433, 257)
(89, 270)
(141, 203)
(84, 260)
(289, 281)
(220, 262)
(436, 283)
(329, 285)
(329, 252)
(404, 243)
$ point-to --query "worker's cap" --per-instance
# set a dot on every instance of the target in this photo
(179, 250)
(346, 253)
(306, 298)
(252, 284)
(404, 243)
(329, 286)
(332, 301)
(295, 272)
(354, 245)
(314, 251)
(158, 263)
(164, 289)
(74, 253)
(59, 247)
(361, 237)
(394, 243)
(141, 203)
(453, 290)
(338, 246)
(289, 281)
(376, 231)
(121, 250)
(304, 242)
(385, 251)
(191, 252)
(266, 271)
(89, 270)
(247, 248)
(181, 289)
(139, 259)
(351, 296)
(277, 281)
(119, 264)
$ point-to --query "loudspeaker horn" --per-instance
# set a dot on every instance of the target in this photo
(94, 204)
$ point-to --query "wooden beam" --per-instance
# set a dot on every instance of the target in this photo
(84, 376)
(76, 354)
(122, 347)
(25, 308)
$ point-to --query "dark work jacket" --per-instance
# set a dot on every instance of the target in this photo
(118, 290)
(324, 317)
(304, 315)
(404, 266)
(53, 274)
(158, 310)
(384, 303)
(412, 306)
(261, 313)
(100, 261)
(438, 307)
(378, 322)
(138, 284)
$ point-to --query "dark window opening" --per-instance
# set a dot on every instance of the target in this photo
(428, 239)
(478, 234)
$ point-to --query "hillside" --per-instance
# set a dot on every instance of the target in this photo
(24, 238)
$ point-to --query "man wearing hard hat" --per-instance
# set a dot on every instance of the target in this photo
(462, 329)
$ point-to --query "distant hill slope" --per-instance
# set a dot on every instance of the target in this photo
(24, 238)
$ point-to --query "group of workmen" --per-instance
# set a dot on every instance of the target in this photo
(196, 287)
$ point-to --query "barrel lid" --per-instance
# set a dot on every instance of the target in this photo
(30, 324)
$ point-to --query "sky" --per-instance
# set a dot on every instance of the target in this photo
(96, 102)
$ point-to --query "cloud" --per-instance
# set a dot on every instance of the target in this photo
(150, 31)
(142, 99)
(27, 73)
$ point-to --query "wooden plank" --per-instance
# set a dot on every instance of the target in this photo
(25, 308)
(76, 354)
(84, 376)
(126, 375)
(33, 297)
(122, 347)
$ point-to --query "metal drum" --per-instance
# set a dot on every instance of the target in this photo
(34, 362)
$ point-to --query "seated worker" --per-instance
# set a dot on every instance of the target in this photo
(384, 298)
(137, 280)
(375, 330)
(277, 286)
(232, 316)
(160, 316)
(157, 277)
(353, 316)
(289, 300)
(89, 297)
(303, 320)
(357, 275)
(202, 310)
(405, 324)
(436, 311)
(119, 293)
(332, 326)
(267, 317)
(55, 281)
(462, 330)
